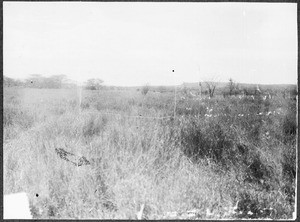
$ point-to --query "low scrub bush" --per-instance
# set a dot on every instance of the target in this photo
(202, 139)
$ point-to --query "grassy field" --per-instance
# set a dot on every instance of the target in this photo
(220, 157)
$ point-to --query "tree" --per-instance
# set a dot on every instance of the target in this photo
(94, 84)
(69, 84)
(56, 81)
(145, 89)
(9, 82)
(233, 87)
(52, 82)
(35, 81)
(211, 87)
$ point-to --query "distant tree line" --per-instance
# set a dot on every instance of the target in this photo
(209, 88)
(51, 82)
(39, 81)
(10, 82)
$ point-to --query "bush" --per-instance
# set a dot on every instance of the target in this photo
(145, 89)
(94, 84)
(211, 141)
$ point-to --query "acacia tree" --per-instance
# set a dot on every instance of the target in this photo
(55, 81)
(35, 81)
(233, 87)
(211, 87)
(59, 80)
(94, 84)
(52, 82)
(8, 82)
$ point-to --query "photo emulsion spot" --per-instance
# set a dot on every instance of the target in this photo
(149, 110)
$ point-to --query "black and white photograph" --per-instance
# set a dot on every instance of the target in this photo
(150, 110)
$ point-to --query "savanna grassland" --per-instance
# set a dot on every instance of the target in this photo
(218, 158)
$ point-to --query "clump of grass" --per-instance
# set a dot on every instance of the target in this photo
(85, 105)
(16, 119)
(94, 125)
(258, 204)
(201, 140)
(13, 115)
(289, 126)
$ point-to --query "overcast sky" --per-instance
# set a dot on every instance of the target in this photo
(137, 43)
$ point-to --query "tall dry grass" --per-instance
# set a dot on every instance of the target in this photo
(191, 162)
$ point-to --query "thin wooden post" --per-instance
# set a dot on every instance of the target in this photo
(175, 98)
